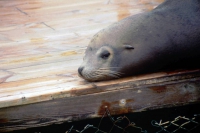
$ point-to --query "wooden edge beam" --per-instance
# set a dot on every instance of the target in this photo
(125, 97)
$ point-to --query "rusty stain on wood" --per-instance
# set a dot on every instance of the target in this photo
(3, 120)
(103, 106)
(159, 89)
(115, 107)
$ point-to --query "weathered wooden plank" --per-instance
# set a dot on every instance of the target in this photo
(125, 97)
(41, 59)
(68, 86)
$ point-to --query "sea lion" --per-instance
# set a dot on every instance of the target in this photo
(168, 36)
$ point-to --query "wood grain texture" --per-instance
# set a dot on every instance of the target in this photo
(41, 46)
(128, 95)
(42, 43)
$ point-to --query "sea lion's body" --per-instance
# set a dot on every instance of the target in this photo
(167, 36)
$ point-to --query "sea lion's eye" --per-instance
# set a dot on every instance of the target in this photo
(105, 54)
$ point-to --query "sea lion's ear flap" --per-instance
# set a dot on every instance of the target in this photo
(128, 47)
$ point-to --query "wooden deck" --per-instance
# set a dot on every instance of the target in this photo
(41, 46)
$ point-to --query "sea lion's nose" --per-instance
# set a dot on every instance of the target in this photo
(80, 69)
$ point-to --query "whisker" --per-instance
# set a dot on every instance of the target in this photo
(109, 67)
(112, 75)
(98, 75)
(109, 71)
(88, 76)
(116, 72)
(102, 73)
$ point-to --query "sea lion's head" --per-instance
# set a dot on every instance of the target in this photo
(105, 57)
